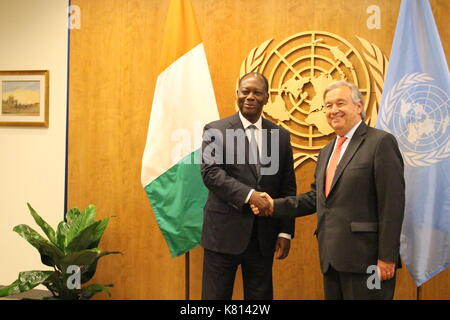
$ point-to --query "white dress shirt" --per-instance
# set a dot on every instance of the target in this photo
(349, 136)
(258, 132)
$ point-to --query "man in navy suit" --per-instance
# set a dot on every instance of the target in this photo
(243, 155)
(359, 197)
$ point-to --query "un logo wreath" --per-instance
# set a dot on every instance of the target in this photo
(298, 69)
(392, 103)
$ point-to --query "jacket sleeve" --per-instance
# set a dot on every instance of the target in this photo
(288, 186)
(390, 189)
(297, 206)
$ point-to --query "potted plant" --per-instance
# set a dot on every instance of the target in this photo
(72, 251)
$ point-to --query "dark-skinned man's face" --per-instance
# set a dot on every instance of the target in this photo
(251, 97)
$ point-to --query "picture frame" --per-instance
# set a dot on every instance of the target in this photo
(24, 98)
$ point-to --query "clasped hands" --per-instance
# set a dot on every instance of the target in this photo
(261, 203)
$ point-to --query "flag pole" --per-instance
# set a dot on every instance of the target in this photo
(187, 273)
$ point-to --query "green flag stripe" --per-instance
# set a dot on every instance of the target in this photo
(178, 197)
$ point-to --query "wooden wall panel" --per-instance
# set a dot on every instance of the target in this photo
(438, 288)
(112, 78)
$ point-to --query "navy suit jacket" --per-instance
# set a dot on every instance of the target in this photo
(228, 221)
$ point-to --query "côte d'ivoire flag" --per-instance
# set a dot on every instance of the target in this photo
(415, 107)
(183, 103)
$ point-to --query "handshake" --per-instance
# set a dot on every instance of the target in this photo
(261, 203)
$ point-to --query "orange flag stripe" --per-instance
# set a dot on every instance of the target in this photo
(181, 32)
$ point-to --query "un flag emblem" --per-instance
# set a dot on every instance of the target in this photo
(417, 113)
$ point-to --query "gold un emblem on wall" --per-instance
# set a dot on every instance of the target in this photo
(298, 70)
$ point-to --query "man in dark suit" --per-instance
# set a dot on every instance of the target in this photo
(242, 155)
(359, 197)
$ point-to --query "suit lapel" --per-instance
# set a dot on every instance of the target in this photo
(266, 140)
(266, 145)
(355, 142)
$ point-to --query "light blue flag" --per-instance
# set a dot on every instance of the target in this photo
(415, 108)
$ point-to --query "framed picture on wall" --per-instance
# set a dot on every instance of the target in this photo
(24, 98)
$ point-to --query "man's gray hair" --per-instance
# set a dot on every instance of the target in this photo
(356, 94)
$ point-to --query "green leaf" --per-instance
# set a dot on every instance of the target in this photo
(89, 237)
(27, 280)
(80, 222)
(89, 291)
(87, 274)
(83, 239)
(48, 230)
(99, 232)
(13, 288)
(89, 214)
(30, 279)
(50, 254)
(72, 215)
(61, 235)
(81, 258)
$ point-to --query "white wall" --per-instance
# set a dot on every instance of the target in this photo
(33, 36)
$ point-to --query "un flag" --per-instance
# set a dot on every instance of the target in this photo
(415, 108)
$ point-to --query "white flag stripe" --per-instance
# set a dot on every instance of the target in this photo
(183, 100)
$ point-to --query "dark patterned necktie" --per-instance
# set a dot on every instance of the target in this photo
(254, 150)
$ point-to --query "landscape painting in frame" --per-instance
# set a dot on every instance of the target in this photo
(24, 98)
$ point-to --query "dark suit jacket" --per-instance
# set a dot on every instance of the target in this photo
(361, 219)
(228, 221)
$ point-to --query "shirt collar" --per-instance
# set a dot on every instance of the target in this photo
(350, 134)
(246, 123)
